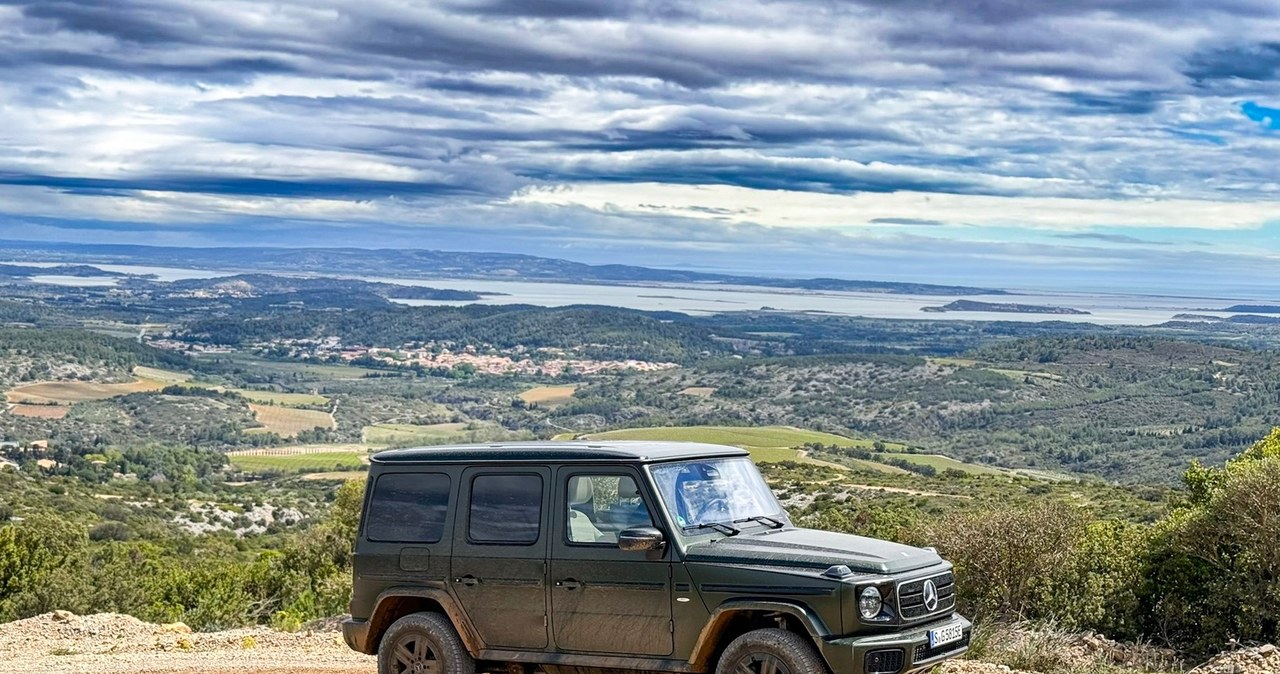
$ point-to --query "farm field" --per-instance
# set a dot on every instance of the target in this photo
(299, 463)
(944, 462)
(335, 476)
(40, 411)
(306, 371)
(294, 450)
(287, 421)
(766, 443)
(156, 374)
(549, 396)
(279, 398)
(69, 392)
(391, 434)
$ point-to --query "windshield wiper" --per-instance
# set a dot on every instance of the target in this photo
(722, 527)
(772, 523)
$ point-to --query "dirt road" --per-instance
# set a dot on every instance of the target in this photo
(63, 643)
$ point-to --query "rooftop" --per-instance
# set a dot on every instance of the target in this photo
(558, 451)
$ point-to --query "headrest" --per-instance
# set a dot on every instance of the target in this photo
(581, 491)
(628, 489)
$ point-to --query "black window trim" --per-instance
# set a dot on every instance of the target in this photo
(542, 502)
(598, 472)
(448, 505)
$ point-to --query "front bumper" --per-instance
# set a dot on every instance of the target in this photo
(848, 655)
(356, 633)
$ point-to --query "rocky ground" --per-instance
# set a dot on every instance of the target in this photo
(64, 643)
(59, 643)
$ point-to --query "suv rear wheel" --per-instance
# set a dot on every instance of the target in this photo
(423, 643)
(770, 651)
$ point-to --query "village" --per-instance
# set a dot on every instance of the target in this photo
(451, 356)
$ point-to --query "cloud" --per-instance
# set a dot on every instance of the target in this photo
(921, 222)
(1122, 239)
(805, 120)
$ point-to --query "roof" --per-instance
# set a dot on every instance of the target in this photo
(559, 452)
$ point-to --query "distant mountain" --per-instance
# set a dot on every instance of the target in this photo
(80, 270)
(261, 285)
(1253, 309)
(1003, 307)
(427, 264)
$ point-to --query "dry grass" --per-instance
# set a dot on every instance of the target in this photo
(69, 392)
(295, 450)
(699, 391)
(156, 374)
(287, 421)
(1049, 650)
(336, 476)
(41, 411)
(549, 396)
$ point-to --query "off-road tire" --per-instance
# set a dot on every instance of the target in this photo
(423, 643)
(771, 651)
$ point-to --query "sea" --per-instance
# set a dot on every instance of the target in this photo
(701, 299)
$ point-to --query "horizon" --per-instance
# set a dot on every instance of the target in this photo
(1027, 145)
(1236, 292)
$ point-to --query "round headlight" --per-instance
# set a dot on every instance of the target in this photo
(870, 603)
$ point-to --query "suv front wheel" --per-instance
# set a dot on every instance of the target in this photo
(423, 643)
(770, 651)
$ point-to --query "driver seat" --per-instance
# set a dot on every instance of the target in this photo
(581, 528)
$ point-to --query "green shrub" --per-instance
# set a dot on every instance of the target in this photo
(1215, 562)
(1009, 561)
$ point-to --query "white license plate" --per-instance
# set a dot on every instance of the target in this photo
(945, 635)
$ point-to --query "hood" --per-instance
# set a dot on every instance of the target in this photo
(813, 549)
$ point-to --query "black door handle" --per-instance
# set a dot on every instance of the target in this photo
(568, 584)
(469, 581)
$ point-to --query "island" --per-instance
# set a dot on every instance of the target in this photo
(1253, 309)
(1002, 307)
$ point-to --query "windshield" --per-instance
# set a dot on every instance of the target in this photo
(710, 491)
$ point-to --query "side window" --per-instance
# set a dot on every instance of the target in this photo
(505, 509)
(600, 506)
(408, 508)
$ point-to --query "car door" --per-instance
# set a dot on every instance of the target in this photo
(499, 566)
(604, 599)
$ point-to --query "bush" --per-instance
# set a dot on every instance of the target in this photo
(1009, 561)
(110, 531)
(1215, 562)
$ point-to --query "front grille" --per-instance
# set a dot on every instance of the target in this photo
(911, 600)
(887, 661)
(923, 652)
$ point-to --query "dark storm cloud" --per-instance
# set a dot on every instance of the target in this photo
(354, 189)
(1126, 103)
(1258, 62)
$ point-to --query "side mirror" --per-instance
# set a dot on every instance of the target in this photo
(641, 538)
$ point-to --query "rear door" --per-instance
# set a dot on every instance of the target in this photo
(499, 568)
(603, 599)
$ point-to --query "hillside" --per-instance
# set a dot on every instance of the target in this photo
(417, 263)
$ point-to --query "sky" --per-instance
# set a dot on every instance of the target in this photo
(1031, 143)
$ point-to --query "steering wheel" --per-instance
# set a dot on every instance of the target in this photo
(716, 504)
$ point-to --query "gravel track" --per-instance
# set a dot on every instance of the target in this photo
(62, 643)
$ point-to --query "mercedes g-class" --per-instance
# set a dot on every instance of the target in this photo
(576, 557)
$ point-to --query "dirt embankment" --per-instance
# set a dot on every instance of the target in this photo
(63, 643)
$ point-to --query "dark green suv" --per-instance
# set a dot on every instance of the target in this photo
(574, 557)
